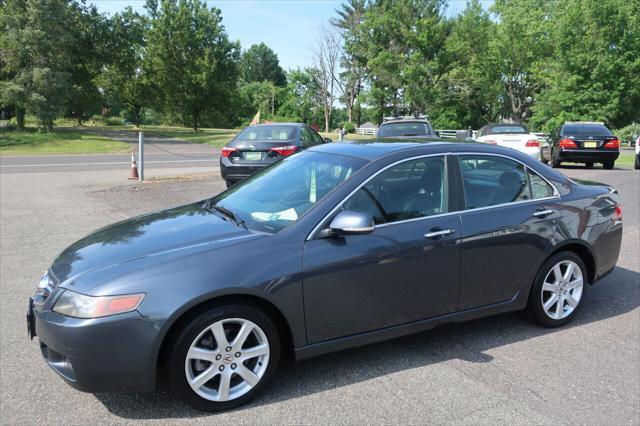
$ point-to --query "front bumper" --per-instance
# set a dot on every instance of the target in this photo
(106, 354)
(588, 155)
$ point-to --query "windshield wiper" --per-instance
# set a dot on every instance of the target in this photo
(225, 212)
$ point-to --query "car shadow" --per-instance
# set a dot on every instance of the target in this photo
(614, 295)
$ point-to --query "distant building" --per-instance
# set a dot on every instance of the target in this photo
(368, 125)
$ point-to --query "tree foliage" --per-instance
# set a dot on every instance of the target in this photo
(260, 63)
(192, 62)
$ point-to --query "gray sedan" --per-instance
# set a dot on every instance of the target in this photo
(337, 246)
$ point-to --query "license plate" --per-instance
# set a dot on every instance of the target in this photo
(253, 156)
(590, 144)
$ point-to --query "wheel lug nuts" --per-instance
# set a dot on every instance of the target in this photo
(238, 354)
(233, 366)
(218, 357)
(221, 368)
(228, 349)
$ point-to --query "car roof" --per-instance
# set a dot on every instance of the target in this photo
(402, 120)
(372, 149)
(278, 124)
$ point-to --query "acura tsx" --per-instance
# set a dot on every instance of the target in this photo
(340, 245)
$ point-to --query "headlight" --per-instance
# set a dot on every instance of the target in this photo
(78, 305)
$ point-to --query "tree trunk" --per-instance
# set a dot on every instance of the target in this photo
(79, 120)
(20, 113)
(194, 125)
(349, 112)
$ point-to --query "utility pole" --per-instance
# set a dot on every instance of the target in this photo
(140, 156)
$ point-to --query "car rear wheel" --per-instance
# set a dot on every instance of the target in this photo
(558, 289)
(589, 164)
(229, 183)
(608, 164)
(555, 161)
(223, 357)
(637, 162)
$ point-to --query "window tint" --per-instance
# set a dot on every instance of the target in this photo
(409, 190)
(317, 139)
(539, 187)
(308, 137)
(403, 129)
(489, 181)
(266, 133)
(585, 130)
(505, 130)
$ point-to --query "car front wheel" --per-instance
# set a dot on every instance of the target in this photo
(558, 290)
(223, 357)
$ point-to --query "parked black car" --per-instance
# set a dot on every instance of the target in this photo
(582, 142)
(258, 146)
(337, 246)
(406, 127)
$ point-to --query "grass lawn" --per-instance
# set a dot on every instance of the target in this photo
(213, 137)
(60, 141)
(626, 159)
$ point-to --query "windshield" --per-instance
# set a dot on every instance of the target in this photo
(266, 133)
(278, 195)
(585, 129)
(505, 130)
(403, 129)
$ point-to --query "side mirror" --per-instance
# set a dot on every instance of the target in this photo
(348, 222)
(327, 140)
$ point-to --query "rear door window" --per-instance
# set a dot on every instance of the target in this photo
(491, 181)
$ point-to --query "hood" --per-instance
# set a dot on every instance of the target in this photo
(154, 233)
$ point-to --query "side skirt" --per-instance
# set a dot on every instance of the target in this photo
(518, 302)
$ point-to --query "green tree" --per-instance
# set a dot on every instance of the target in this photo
(86, 59)
(124, 78)
(35, 44)
(470, 90)
(520, 45)
(260, 63)
(299, 97)
(351, 79)
(193, 63)
(593, 72)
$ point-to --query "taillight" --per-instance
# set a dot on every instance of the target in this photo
(227, 151)
(533, 143)
(617, 214)
(285, 151)
(612, 144)
(491, 142)
(567, 143)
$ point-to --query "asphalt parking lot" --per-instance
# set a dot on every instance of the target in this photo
(499, 370)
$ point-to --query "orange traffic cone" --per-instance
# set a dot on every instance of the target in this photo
(134, 168)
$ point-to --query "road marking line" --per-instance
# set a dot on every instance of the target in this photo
(104, 164)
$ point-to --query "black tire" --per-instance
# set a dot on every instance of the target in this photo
(229, 183)
(589, 165)
(175, 358)
(636, 164)
(608, 165)
(535, 304)
(555, 161)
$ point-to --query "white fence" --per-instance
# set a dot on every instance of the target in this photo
(367, 131)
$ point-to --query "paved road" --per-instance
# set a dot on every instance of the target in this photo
(159, 152)
(500, 370)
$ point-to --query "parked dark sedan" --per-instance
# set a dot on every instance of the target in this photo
(582, 142)
(258, 146)
(337, 246)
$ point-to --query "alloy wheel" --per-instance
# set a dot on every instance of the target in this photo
(562, 289)
(227, 359)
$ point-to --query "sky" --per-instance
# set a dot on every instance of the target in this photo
(288, 27)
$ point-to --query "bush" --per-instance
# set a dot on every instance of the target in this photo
(349, 127)
(628, 133)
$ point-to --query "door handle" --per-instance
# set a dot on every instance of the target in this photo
(543, 213)
(440, 233)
